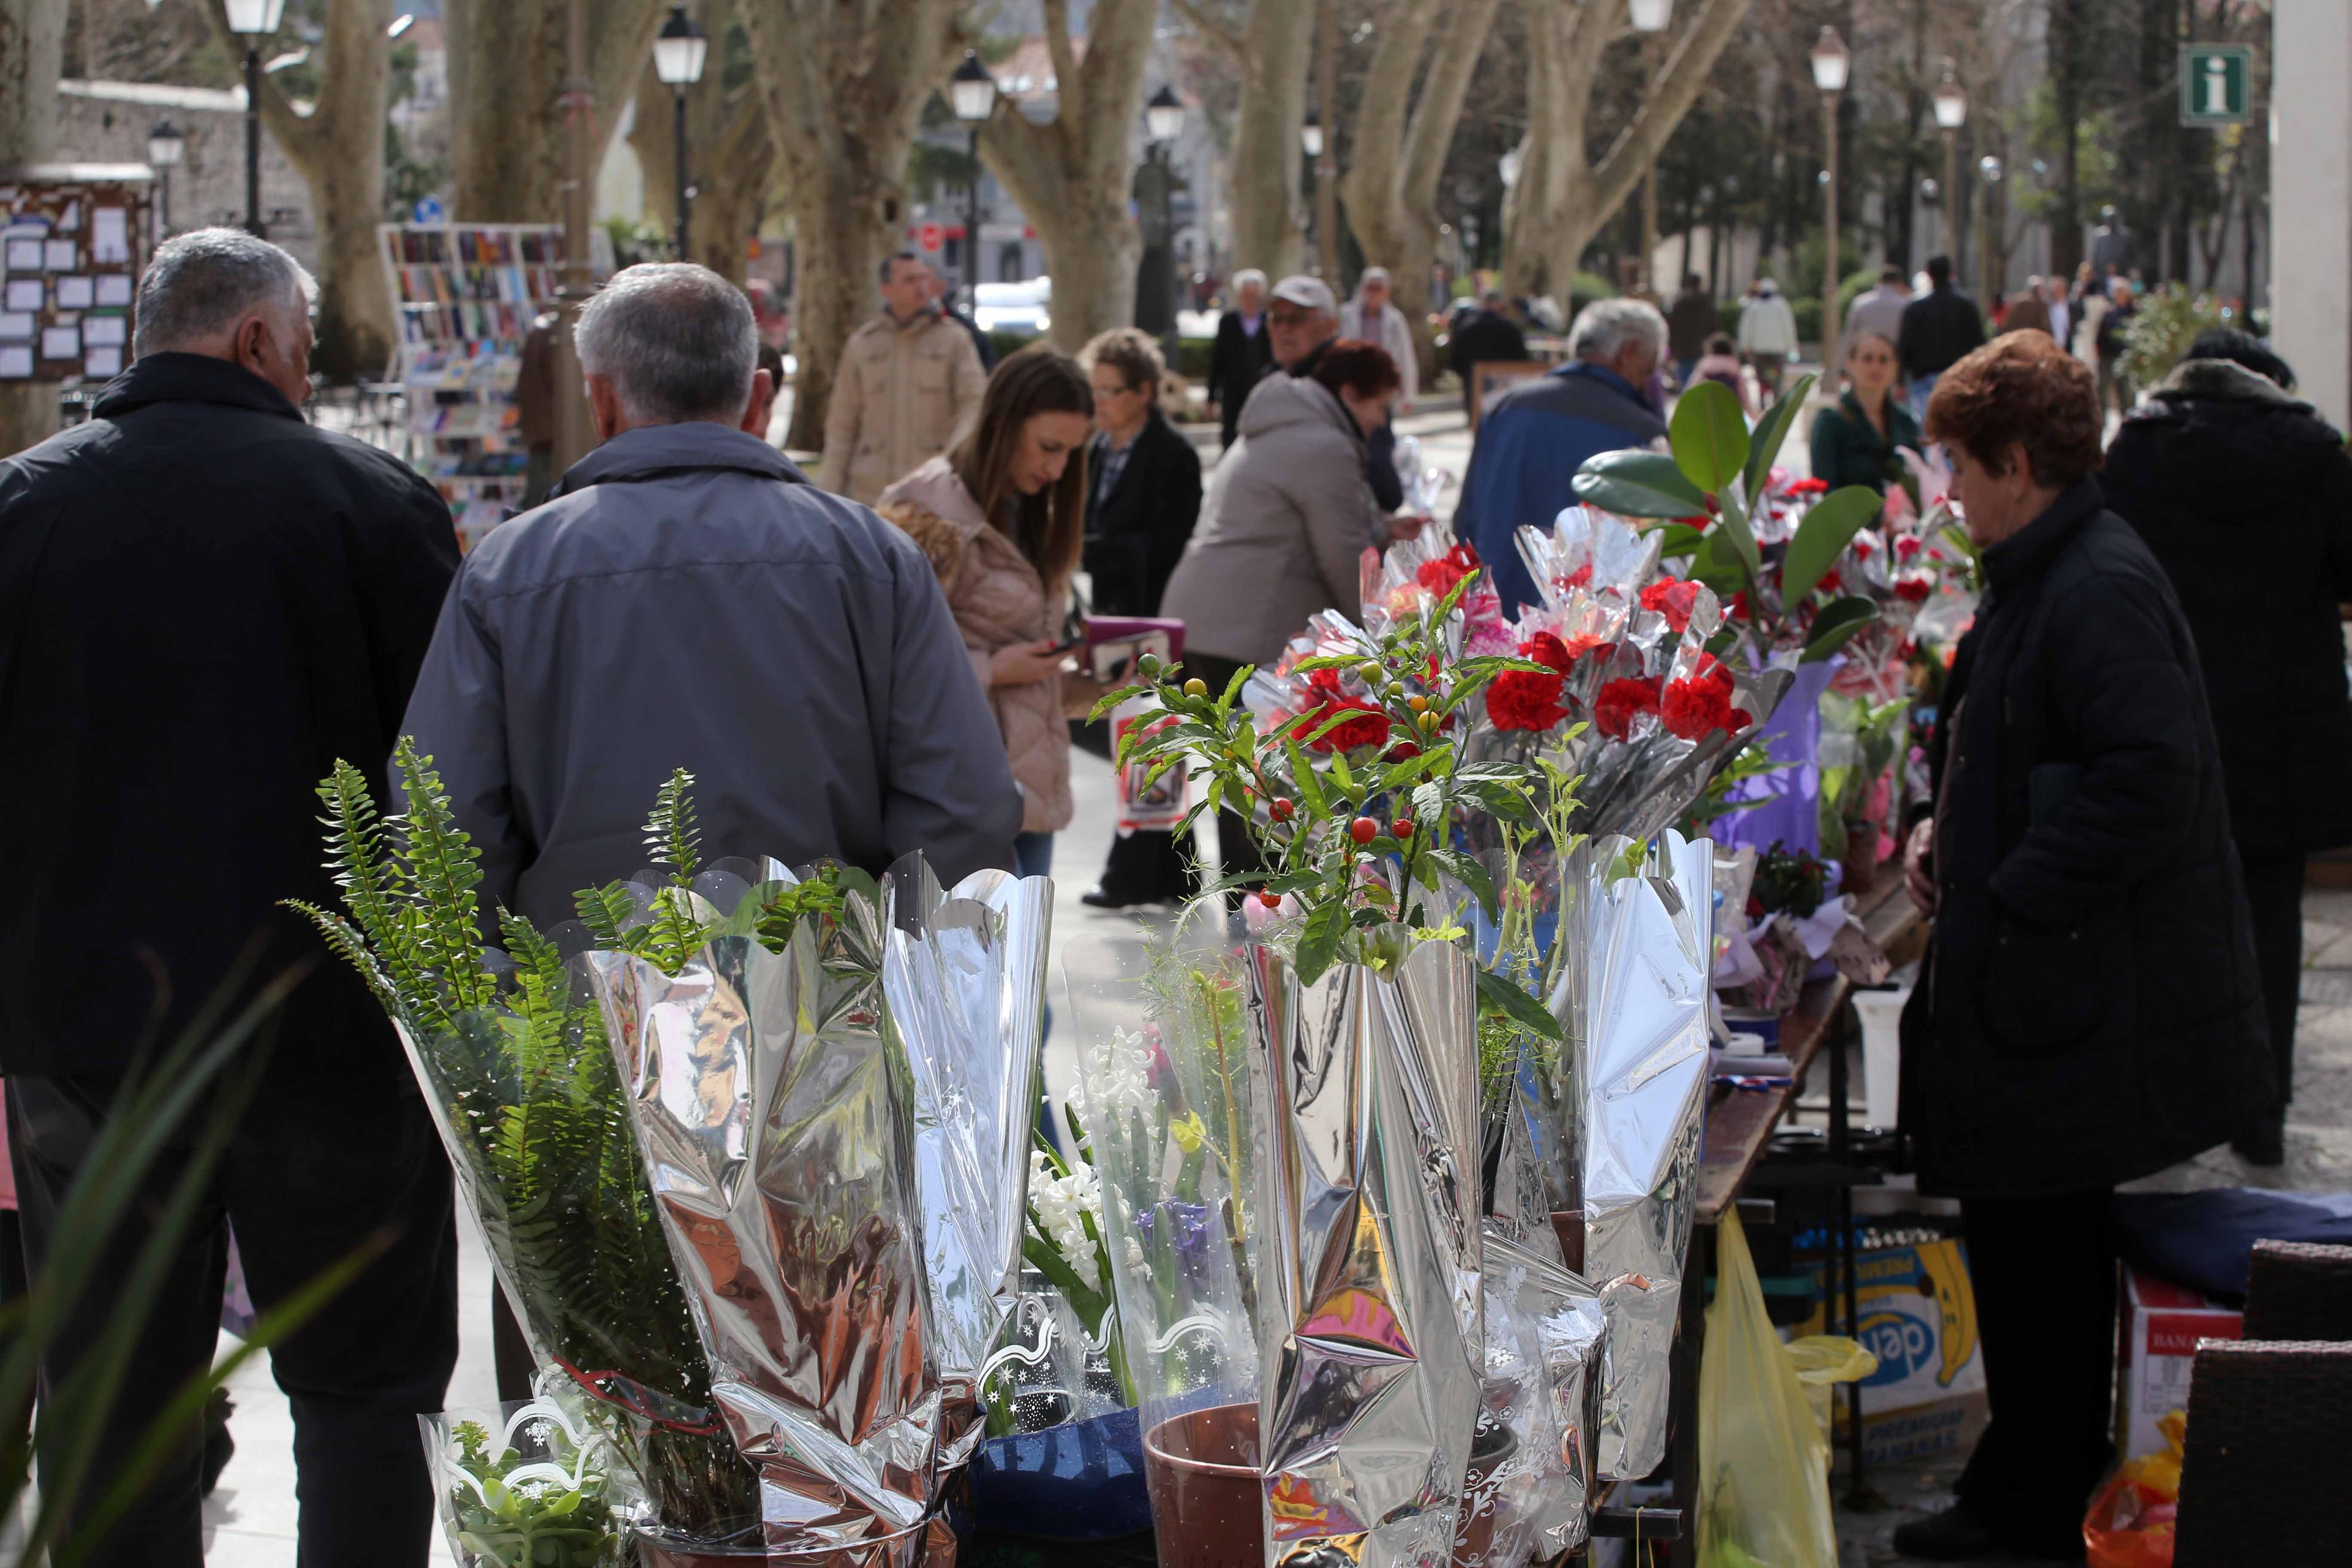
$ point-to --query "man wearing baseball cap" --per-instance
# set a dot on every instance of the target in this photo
(1304, 322)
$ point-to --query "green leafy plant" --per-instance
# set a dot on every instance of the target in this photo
(509, 1509)
(1364, 885)
(1707, 491)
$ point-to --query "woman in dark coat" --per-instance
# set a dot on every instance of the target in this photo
(2088, 1011)
(2245, 495)
(1142, 502)
(1855, 439)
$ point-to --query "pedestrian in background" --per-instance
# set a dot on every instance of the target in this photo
(1536, 435)
(1721, 364)
(1940, 328)
(1143, 498)
(1304, 319)
(2245, 495)
(2061, 314)
(2123, 306)
(208, 601)
(1768, 336)
(1002, 520)
(2088, 1012)
(1282, 531)
(1489, 337)
(1242, 354)
(909, 386)
(1690, 322)
(1372, 317)
(1855, 439)
(1880, 312)
(2029, 311)
(945, 298)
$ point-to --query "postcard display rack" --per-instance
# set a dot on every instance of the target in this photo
(466, 294)
(70, 247)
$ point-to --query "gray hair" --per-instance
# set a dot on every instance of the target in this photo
(677, 341)
(1607, 328)
(200, 283)
(1247, 276)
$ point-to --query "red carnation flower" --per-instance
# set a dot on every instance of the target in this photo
(1808, 487)
(1580, 578)
(1371, 727)
(1740, 609)
(1617, 702)
(1440, 576)
(1672, 598)
(1522, 699)
(1906, 546)
(1577, 647)
(1913, 590)
(1696, 708)
(1831, 581)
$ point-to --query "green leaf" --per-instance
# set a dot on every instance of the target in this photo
(1709, 435)
(1318, 943)
(1676, 540)
(1717, 564)
(1838, 620)
(1470, 872)
(1302, 775)
(1821, 538)
(1638, 484)
(1771, 432)
(1498, 995)
(1731, 524)
(1110, 701)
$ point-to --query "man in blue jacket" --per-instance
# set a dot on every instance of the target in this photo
(1535, 436)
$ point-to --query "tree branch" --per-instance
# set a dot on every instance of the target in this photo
(1217, 30)
(1439, 114)
(1663, 107)
(1066, 85)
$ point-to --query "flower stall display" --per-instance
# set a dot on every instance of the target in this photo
(750, 1148)
(530, 1482)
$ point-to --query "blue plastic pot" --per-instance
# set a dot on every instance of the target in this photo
(1079, 1481)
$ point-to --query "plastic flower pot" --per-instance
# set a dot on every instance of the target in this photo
(903, 1550)
(1491, 1447)
(1207, 1498)
(1083, 1480)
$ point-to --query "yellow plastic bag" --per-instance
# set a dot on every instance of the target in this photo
(1763, 1462)
(1823, 1361)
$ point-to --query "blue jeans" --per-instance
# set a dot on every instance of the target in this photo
(1923, 387)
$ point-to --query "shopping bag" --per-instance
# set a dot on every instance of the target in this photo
(2132, 1515)
(1821, 1362)
(1764, 1485)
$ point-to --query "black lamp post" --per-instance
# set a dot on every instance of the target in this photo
(1163, 122)
(679, 50)
(253, 20)
(165, 148)
(971, 93)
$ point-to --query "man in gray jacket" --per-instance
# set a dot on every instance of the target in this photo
(686, 598)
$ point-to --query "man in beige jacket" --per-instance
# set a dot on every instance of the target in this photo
(908, 389)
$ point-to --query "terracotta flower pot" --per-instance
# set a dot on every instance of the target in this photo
(1491, 1448)
(1206, 1501)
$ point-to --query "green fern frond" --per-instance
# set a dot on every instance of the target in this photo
(352, 947)
(671, 833)
(607, 911)
(443, 869)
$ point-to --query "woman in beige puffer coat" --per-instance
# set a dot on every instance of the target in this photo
(1001, 518)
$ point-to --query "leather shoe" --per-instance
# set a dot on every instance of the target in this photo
(2262, 1144)
(1104, 899)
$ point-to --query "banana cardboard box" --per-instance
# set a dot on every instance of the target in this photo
(2162, 1325)
(1919, 1318)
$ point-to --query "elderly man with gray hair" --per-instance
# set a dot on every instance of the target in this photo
(1533, 438)
(205, 602)
(686, 598)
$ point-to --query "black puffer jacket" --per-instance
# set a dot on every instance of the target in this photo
(2245, 495)
(2090, 1011)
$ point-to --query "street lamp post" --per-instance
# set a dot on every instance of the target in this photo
(1951, 102)
(1830, 64)
(1651, 19)
(1326, 156)
(165, 147)
(971, 93)
(1988, 267)
(1163, 122)
(1311, 141)
(253, 20)
(679, 49)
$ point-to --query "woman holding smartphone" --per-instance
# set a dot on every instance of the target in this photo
(1001, 518)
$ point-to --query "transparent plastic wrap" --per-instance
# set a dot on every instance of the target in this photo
(1643, 1046)
(531, 1481)
(840, 1188)
(1369, 1255)
(1167, 1081)
(1530, 1484)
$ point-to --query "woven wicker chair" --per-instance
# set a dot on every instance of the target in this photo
(2295, 1291)
(2269, 1422)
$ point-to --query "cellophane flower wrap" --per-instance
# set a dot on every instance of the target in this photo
(835, 1133)
(531, 1481)
(510, 1051)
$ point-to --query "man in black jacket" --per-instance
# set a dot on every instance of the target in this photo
(1243, 352)
(1490, 334)
(2089, 1011)
(2245, 495)
(1940, 327)
(205, 602)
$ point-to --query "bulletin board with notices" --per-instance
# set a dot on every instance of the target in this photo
(72, 239)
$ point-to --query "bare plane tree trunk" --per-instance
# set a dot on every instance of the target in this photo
(844, 89)
(1562, 199)
(506, 86)
(32, 53)
(1071, 175)
(339, 148)
(1272, 47)
(1390, 186)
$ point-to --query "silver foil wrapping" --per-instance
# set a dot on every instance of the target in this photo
(1368, 1299)
(811, 1152)
(1643, 1046)
(1531, 1474)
